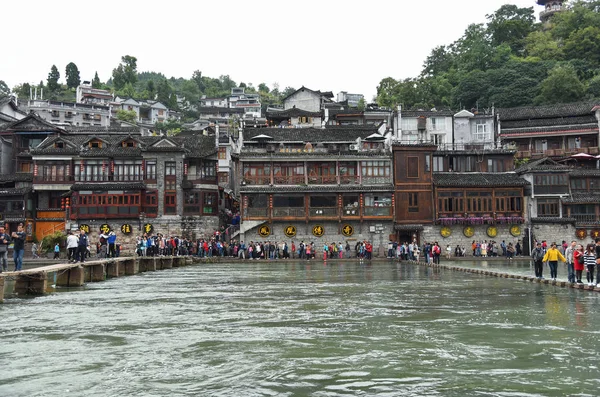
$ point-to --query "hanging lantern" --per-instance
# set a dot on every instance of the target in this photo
(185, 168)
(103, 167)
(112, 166)
(35, 170)
(81, 166)
(67, 202)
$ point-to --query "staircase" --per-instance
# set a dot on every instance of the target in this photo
(247, 225)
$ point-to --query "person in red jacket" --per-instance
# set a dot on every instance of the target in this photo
(578, 263)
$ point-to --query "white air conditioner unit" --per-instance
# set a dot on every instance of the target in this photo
(353, 147)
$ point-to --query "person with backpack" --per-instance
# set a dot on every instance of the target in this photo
(538, 260)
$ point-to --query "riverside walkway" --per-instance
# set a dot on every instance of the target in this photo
(38, 280)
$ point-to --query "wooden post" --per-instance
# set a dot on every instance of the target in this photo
(31, 284)
(73, 277)
(1, 289)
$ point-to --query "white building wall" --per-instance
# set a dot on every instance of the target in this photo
(305, 100)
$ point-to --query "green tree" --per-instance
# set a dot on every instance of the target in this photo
(541, 44)
(96, 81)
(4, 90)
(584, 44)
(197, 78)
(561, 86)
(473, 50)
(593, 88)
(262, 87)
(22, 90)
(169, 127)
(127, 115)
(164, 94)
(53, 77)
(511, 25)
(150, 89)
(361, 105)
(125, 73)
(387, 93)
(439, 61)
(190, 92)
(72, 75)
(127, 91)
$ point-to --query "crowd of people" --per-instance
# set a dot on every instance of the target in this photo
(578, 258)
(17, 239)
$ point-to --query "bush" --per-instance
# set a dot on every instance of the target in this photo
(50, 241)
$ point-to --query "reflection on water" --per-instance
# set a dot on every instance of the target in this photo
(265, 329)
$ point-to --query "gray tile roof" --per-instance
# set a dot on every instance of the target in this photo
(544, 164)
(584, 172)
(294, 112)
(533, 124)
(427, 113)
(14, 191)
(477, 179)
(553, 220)
(547, 111)
(582, 198)
(16, 177)
(313, 135)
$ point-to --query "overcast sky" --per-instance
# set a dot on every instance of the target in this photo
(327, 45)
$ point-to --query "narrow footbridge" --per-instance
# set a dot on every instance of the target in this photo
(37, 281)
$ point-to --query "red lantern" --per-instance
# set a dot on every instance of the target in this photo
(35, 170)
(67, 202)
(103, 167)
(185, 169)
(81, 166)
(62, 204)
(112, 167)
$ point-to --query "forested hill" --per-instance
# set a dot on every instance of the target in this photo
(511, 60)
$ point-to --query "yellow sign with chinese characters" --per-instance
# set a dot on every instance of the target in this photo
(148, 228)
(126, 228)
(446, 232)
(264, 231)
(105, 228)
(515, 230)
(492, 231)
(469, 231)
(347, 230)
(290, 231)
(85, 228)
(318, 231)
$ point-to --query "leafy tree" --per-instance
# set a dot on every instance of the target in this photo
(473, 50)
(190, 92)
(22, 90)
(127, 115)
(164, 94)
(125, 73)
(561, 86)
(127, 91)
(511, 25)
(287, 92)
(4, 90)
(361, 105)
(439, 61)
(72, 75)
(169, 127)
(262, 87)
(593, 88)
(387, 93)
(53, 77)
(150, 89)
(96, 81)
(585, 44)
(197, 78)
(541, 45)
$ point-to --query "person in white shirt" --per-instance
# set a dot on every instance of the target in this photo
(72, 241)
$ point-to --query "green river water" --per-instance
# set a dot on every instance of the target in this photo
(303, 329)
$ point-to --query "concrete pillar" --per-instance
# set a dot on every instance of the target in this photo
(131, 267)
(31, 283)
(1, 289)
(188, 261)
(166, 262)
(95, 272)
(179, 261)
(147, 264)
(73, 277)
(112, 269)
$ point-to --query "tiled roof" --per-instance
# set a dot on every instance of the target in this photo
(550, 131)
(108, 186)
(348, 134)
(543, 164)
(583, 172)
(317, 188)
(215, 109)
(328, 154)
(14, 191)
(582, 198)
(553, 220)
(550, 122)
(476, 179)
(294, 112)
(547, 111)
(16, 177)
(32, 122)
(75, 144)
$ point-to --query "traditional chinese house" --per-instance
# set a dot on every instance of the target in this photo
(332, 184)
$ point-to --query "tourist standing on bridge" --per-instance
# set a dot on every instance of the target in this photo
(82, 246)
(19, 247)
(112, 241)
(538, 264)
(571, 261)
(597, 251)
(4, 241)
(579, 262)
(589, 258)
(552, 256)
(72, 247)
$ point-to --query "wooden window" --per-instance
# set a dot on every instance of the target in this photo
(510, 201)
(578, 185)
(128, 143)
(438, 164)
(222, 153)
(108, 205)
(413, 202)
(551, 184)
(92, 171)
(150, 171)
(192, 202)
(375, 169)
(450, 202)
(52, 171)
(412, 167)
(59, 145)
(170, 204)
(495, 165)
(127, 170)
(223, 177)
(150, 206)
(170, 168)
(257, 173)
(548, 208)
(95, 144)
(479, 202)
(210, 204)
(54, 199)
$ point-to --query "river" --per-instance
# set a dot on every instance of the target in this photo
(302, 329)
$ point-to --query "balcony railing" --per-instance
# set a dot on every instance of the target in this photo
(322, 180)
(257, 212)
(354, 211)
(585, 218)
(257, 180)
(289, 180)
(53, 179)
(349, 180)
(377, 211)
(289, 212)
(376, 180)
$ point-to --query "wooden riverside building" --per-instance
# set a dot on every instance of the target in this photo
(301, 182)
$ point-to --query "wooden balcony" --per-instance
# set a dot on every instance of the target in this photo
(289, 180)
(318, 213)
(289, 213)
(586, 218)
(323, 212)
(322, 180)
